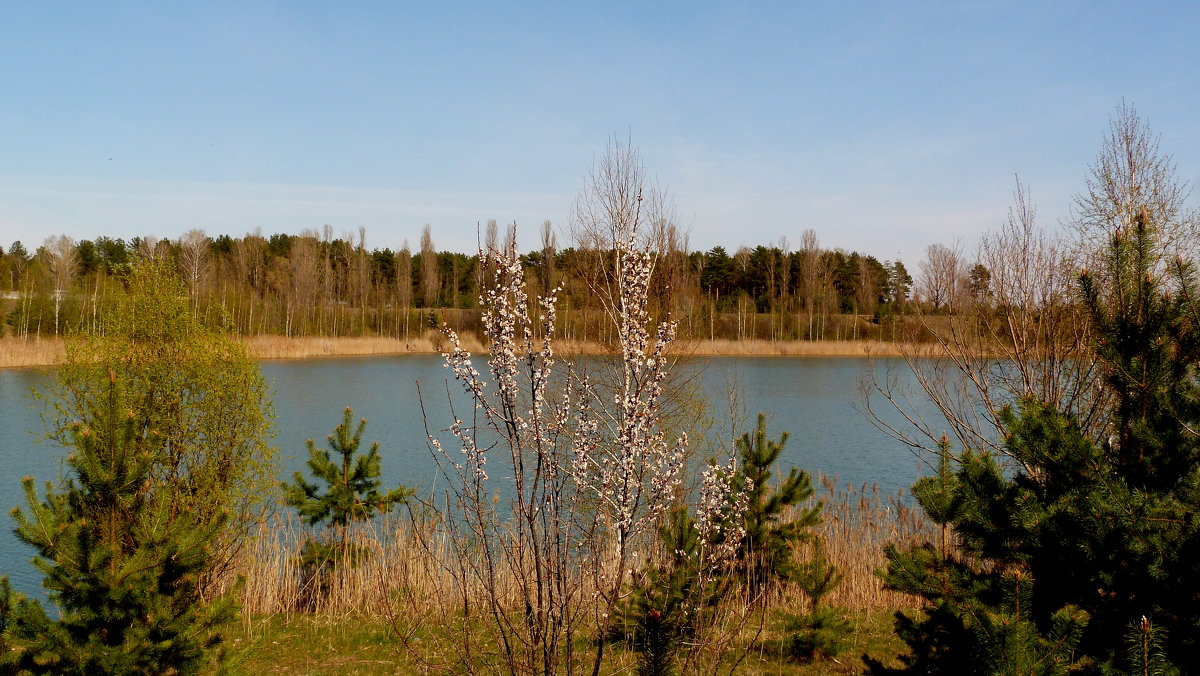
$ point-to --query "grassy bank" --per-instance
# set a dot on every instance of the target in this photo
(17, 353)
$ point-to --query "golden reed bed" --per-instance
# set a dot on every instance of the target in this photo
(413, 567)
(17, 353)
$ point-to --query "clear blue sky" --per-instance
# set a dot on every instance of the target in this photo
(884, 126)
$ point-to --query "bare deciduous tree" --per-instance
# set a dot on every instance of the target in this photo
(305, 278)
(1037, 325)
(867, 295)
(195, 264)
(62, 258)
(359, 277)
(549, 250)
(808, 279)
(248, 258)
(485, 271)
(618, 206)
(1029, 342)
(149, 247)
(940, 280)
(429, 270)
(404, 284)
(510, 236)
(1131, 175)
(491, 238)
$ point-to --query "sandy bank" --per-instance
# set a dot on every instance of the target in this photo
(15, 353)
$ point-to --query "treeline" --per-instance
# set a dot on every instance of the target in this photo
(316, 284)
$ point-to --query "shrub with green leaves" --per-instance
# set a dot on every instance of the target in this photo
(167, 426)
(199, 402)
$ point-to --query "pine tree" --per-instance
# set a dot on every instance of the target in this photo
(767, 549)
(1055, 558)
(351, 493)
(822, 630)
(121, 568)
(938, 640)
(767, 554)
(9, 657)
(1144, 646)
(668, 599)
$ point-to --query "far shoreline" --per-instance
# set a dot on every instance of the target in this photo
(17, 353)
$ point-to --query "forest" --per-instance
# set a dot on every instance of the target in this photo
(321, 284)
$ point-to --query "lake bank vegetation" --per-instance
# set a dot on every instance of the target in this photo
(1067, 489)
(16, 353)
(316, 284)
(584, 522)
(326, 284)
(589, 521)
(406, 595)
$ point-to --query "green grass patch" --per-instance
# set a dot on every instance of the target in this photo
(368, 646)
(307, 644)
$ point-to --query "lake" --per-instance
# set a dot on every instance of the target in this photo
(815, 399)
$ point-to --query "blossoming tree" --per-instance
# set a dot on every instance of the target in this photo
(592, 469)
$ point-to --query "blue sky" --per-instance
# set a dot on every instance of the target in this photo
(883, 126)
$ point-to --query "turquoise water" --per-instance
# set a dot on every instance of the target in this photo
(815, 399)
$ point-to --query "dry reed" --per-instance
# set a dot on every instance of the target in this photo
(803, 348)
(410, 570)
(403, 563)
(304, 347)
(16, 353)
(19, 353)
(857, 522)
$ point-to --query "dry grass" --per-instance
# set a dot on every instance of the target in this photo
(802, 348)
(278, 347)
(17, 352)
(401, 566)
(400, 609)
(409, 568)
(304, 347)
(857, 523)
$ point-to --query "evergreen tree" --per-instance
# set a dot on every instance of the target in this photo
(351, 492)
(1144, 646)
(823, 629)
(668, 600)
(121, 568)
(9, 656)
(1057, 556)
(166, 429)
(766, 552)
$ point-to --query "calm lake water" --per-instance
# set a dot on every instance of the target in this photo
(815, 399)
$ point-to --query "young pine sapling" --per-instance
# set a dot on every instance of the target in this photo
(350, 494)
